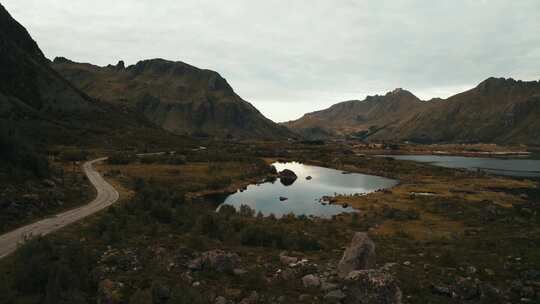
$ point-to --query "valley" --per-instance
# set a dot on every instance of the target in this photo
(465, 220)
(156, 183)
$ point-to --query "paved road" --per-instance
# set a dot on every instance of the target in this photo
(106, 196)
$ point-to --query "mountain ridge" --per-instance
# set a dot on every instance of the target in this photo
(492, 111)
(41, 108)
(174, 95)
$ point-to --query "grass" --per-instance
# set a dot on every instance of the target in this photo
(470, 220)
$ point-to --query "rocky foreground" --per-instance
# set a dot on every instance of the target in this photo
(354, 279)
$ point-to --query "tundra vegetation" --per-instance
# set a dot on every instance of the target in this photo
(474, 237)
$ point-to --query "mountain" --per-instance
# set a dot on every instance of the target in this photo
(497, 110)
(26, 79)
(39, 106)
(175, 96)
(360, 118)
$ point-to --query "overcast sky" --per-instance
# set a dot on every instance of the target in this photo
(297, 56)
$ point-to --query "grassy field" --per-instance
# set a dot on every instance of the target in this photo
(473, 233)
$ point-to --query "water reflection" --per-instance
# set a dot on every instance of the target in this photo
(503, 166)
(302, 197)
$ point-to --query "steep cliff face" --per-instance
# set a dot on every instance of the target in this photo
(26, 79)
(36, 103)
(174, 95)
(40, 107)
(497, 110)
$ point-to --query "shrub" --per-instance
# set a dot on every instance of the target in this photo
(121, 159)
(162, 212)
(227, 210)
(246, 211)
(219, 183)
(74, 155)
(19, 156)
(61, 272)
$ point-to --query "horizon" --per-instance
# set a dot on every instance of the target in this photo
(297, 64)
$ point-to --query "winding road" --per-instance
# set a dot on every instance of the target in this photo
(106, 196)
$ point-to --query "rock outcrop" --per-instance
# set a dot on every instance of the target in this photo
(359, 255)
(372, 286)
(217, 260)
(287, 177)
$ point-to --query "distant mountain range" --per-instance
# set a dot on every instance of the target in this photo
(497, 110)
(176, 96)
(65, 102)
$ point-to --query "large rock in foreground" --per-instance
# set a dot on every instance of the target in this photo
(358, 256)
(372, 286)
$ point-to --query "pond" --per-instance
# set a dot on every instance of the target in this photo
(521, 167)
(304, 195)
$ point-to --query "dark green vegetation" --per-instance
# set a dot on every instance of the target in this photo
(497, 110)
(32, 186)
(141, 250)
(43, 119)
(156, 226)
(473, 237)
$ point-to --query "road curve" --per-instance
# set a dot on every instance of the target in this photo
(106, 196)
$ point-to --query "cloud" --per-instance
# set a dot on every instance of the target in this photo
(288, 58)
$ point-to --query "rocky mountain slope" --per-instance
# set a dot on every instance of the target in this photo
(26, 80)
(174, 95)
(39, 106)
(497, 110)
(360, 118)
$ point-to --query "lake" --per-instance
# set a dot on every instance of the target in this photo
(303, 195)
(519, 167)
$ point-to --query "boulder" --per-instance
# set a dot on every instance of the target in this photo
(372, 286)
(239, 271)
(287, 274)
(252, 299)
(218, 260)
(311, 280)
(287, 260)
(358, 256)
(335, 296)
(287, 177)
(327, 286)
(220, 300)
(161, 294)
(304, 298)
(49, 183)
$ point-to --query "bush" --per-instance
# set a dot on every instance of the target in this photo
(246, 211)
(162, 212)
(270, 235)
(227, 210)
(60, 272)
(219, 183)
(74, 155)
(208, 224)
(121, 159)
(18, 156)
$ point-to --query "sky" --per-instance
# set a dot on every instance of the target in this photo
(292, 57)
